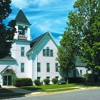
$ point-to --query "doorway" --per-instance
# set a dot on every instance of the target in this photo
(7, 80)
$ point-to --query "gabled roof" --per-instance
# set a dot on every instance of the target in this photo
(21, 18)
(3, 69)
(8, 58)
(38, 40)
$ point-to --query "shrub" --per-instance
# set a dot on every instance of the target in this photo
(54, 80)
(46, 81)
(76, 79)
(62, 79)
(22, 82)
(89, 77)
(37, 82)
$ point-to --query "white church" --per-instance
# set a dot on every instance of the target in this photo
(35, 59)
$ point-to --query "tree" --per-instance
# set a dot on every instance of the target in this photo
(84, 24)
(6, 32)
(88, 26)
(67, 53)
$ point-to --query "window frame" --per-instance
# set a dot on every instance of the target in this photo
(22, 51)
(39, 67)
(48, 67)
(22, 67)
(56, 67)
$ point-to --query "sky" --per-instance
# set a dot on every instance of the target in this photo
(44, 15)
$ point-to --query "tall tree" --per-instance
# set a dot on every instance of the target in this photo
(67, 52)
(84, 24)
(6, 32)
(88, 26)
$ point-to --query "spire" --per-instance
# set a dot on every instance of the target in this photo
(22, 18)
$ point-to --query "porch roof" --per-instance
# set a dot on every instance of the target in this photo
(4, 68)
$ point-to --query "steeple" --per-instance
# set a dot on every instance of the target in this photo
(22, 26)
(21, 18)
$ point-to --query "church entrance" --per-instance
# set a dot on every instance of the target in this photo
(7, 80)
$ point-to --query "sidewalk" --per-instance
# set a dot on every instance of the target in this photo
(11, 91)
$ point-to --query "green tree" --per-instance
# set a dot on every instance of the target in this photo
(6, 32)
(88, 26)
(67, 52)
(84, 24)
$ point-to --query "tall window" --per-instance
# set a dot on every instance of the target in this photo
(22, 67)
(38, 67)
(56, 67)
(48, 67)
(51, 53)
(48, 51)
(44, 52)
(80, 72)
(22, 51)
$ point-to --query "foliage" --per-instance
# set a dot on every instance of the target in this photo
(87, 13)
(67, 51)
(89, 76)
(46, 81)
(81, 37)
(77, 80)
(37, 82)
(54, 80)
(6, 32)
(22, 82)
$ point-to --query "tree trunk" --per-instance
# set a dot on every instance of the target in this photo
(67, 77)
(92, 73)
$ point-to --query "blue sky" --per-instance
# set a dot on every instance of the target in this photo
(44, 15)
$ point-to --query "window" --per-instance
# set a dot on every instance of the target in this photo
(51, 53)
(22, 67)
(57, 77)
(80, 72)
(38, 67)
(38, 78)
(48, 67)
(22, 51)
(44, 52)
(56, 67)
(86, 71)
(48, 77)
(48, 52)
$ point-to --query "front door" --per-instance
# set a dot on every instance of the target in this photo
(7, 80)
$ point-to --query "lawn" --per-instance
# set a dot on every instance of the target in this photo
(61, 87)
(52, 87)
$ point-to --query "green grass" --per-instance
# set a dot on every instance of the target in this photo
(51, 87)
(57, 87)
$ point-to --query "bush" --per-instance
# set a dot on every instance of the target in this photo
(22, 82)
(54, 80)
(89, 77)
(37, 82)
(76, 79)
(62, 79)
(46, 81)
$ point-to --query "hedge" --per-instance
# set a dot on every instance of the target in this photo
(22, 82)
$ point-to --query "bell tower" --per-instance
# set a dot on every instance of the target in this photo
(22, 27)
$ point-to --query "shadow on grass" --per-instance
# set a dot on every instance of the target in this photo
(7, 94)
